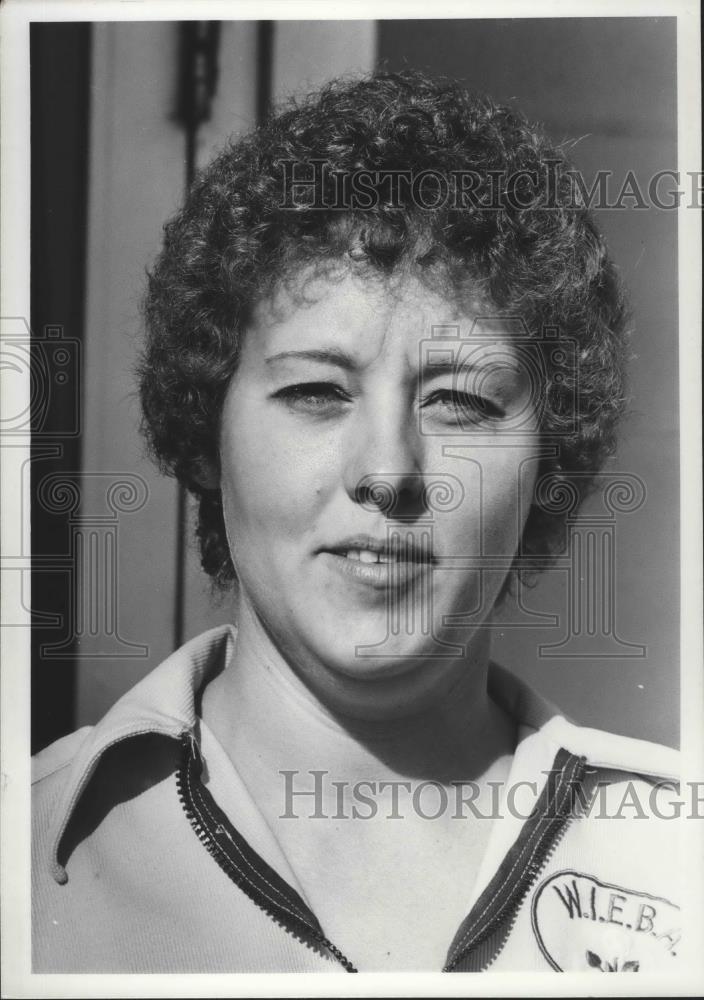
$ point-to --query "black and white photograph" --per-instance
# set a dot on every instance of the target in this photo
(351, 499)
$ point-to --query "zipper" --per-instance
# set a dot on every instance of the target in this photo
(242, 865)
(481, 939)
(481, 936)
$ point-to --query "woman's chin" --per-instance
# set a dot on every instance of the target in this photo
(390, 658)
(402, 681)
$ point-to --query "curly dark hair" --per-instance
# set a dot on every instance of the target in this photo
(518, 234)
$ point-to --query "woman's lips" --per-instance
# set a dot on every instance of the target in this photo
(387, 571)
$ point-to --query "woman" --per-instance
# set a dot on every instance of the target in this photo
(383, 335)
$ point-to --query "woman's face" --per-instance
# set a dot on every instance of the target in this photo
(377, 447)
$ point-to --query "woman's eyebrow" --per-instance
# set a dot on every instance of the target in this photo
(453, 366)
(449, 366)
(330, 356)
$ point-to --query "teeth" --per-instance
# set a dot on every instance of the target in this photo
(368, 557)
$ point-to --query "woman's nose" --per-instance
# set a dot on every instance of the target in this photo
(384, 468)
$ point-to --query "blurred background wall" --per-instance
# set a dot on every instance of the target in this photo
(609, 83)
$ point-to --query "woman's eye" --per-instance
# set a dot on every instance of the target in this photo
(462, 407)
(313, 397)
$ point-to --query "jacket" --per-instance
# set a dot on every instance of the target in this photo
(149, 854)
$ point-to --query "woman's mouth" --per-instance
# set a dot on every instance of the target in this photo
(367, 556)
(389, 563)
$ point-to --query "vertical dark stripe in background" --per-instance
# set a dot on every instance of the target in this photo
(265, 50)
(198, 73)
(59, 80)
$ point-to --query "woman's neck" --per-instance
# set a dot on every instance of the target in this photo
(269, 721)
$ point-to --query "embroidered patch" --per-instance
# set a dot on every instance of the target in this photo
(582, 924)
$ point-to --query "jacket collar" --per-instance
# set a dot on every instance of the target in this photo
(600, 749)
(164, 702)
